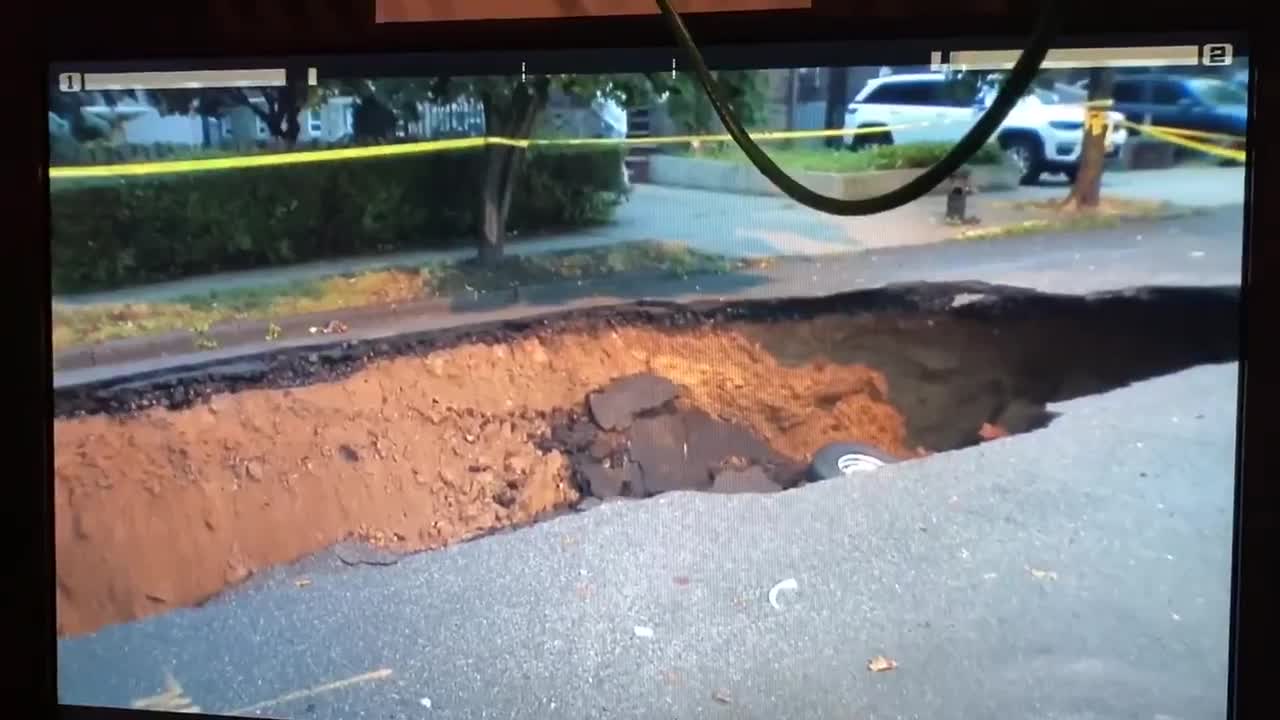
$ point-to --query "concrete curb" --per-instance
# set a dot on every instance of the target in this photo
(743, 179)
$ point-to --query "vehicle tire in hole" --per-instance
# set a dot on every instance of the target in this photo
(843, 459)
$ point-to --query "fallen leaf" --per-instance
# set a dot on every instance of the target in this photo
(988, 431)
(681, 580)
(881, 663)
(302, 583)
(722, 696)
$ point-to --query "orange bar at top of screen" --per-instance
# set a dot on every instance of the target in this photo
(428, 10)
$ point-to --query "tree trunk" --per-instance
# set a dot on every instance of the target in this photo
(792, 86)
(837, 101)
(502, 164)
(290, 127)
(492, 224)
(285, 112)
(1086, 193)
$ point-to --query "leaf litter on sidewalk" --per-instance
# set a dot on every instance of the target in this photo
(85, 324)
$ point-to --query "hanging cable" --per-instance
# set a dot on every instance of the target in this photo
(1011, 91)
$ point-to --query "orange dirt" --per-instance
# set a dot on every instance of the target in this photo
(167, 508)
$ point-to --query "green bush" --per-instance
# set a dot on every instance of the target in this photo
(65, 151)
(921, 155)
(115, 232)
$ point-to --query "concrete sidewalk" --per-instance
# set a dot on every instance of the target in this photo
(735, 226)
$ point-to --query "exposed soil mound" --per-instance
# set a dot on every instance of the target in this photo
(165, 508)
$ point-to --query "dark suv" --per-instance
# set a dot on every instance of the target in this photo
(1186, 103)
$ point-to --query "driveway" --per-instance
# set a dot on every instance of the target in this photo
(1080, 571)
(1199, 186)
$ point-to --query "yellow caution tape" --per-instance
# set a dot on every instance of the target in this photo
(1164, 135)
(1169, 130)
(164, 167)
(263, 160)
(1181, 132)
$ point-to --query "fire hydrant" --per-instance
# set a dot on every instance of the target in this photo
(961, 182)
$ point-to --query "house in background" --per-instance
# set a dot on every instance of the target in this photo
(329, 121)
(137, 121)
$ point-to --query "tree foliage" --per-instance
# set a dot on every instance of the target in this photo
(691, 109)
(512, 106)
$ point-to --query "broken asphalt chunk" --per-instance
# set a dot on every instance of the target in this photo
(616, 405)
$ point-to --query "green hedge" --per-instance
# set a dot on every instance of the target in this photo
(64, 150)
(125, 231)
(871, 158)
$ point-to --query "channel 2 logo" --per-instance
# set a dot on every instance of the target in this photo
(1216, 54)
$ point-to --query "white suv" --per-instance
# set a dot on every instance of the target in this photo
(1039, 136)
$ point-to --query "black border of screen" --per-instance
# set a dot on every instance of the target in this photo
(115, 33)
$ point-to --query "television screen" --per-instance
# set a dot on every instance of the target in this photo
(504, 385)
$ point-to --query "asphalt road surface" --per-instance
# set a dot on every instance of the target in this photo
(1079, 572)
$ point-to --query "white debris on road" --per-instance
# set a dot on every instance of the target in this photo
(643, 632)
(788, 584)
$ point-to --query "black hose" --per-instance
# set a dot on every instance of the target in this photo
(1020, 78)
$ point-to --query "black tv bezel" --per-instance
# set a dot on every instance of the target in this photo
(134, 36)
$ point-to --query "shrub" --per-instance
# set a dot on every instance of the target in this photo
(114, 232)
(875, 157)
(922, 155)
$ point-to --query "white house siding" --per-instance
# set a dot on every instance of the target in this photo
(156, 128)
(237, 126)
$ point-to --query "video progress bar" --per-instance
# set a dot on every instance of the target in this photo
(185, 79)
(1161, 56)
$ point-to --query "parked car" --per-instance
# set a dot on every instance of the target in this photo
(1040, 135)
(1186, 103)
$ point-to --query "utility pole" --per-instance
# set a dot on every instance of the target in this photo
(837, 101)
